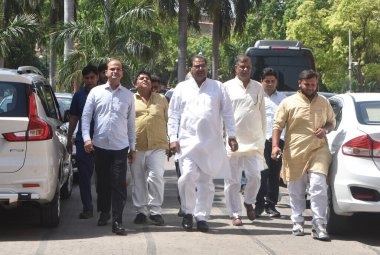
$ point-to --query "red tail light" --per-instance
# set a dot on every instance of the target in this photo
(38, 129)
(362, 146)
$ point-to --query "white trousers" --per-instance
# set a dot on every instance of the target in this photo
(148, 181)
(196, 190)
(318, 197)
(252, 166)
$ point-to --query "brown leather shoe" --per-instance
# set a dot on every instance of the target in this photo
(250, 211)
(236, 221)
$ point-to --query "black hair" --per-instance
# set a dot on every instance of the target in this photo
(102, 67)
(308, 74)
(143, 72)
(268, 71)
(198, 56)
(89, 69)
(242, 58)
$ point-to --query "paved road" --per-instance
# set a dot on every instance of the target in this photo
(20, 233)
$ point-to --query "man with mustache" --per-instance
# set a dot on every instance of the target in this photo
(196, 110)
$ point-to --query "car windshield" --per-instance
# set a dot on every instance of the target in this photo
(368, 112)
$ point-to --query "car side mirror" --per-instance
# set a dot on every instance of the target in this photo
(66, 116)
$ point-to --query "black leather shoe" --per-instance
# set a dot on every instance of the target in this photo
(86, 215)
(140, 219)
(103, 218)
(118, 229)
(272, 212)
(202, 226)
(187, 222)
(157, 220)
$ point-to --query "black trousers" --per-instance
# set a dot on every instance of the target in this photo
(270, 178)
(111, 174)
(85, 163)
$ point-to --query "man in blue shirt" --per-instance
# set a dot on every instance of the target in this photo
(112, 107)
(85, 161)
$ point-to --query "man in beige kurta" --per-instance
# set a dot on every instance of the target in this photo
(307, 117)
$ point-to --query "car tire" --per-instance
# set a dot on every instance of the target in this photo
(50, 213)
(67, 187)
(336, 224)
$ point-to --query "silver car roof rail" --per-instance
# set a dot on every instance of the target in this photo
(29, 69)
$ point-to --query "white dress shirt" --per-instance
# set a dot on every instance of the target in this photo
(271, 104)
(114, 117)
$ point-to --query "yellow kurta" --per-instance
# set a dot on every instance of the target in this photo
(303, 150)
(151, 120)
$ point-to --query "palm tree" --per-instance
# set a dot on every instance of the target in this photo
(18, 29)
(225, 15)
(15, 27)
(122, 32)
(69, 16)
(187, 14)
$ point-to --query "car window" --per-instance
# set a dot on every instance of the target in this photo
(47, 99)
(64, 104)
(13, 102)
(368, 113)
(337, 106)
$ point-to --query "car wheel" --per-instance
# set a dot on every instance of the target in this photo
(336, 224)
(50, 212)
(67, 187)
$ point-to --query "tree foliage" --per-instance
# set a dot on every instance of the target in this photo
(145, 35)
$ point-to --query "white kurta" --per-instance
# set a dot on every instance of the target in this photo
(249, 112)
(195, 121)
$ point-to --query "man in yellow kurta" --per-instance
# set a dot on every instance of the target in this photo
(151, 142)
(308, 117)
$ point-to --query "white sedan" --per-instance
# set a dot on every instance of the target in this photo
(354, 176)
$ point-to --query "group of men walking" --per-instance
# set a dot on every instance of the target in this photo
(216, 131)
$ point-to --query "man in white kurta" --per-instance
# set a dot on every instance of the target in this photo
(247, 97)
(196, 110)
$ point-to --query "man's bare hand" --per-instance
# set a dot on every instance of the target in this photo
(88, 146)
(276, 153)
(174, 147)
(233, 144)
(131, 156)
(320, 133)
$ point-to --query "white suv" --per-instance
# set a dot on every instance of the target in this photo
(34, 164)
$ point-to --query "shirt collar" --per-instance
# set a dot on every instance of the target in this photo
(108, 86)
(241, 83)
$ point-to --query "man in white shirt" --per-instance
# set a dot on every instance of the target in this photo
(247, 97)
(196, 110)
(270, 178)
(112, 107)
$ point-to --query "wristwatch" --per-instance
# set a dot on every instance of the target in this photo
(326, 131)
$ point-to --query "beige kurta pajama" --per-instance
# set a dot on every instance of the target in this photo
(306, 157)
(303, 150)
